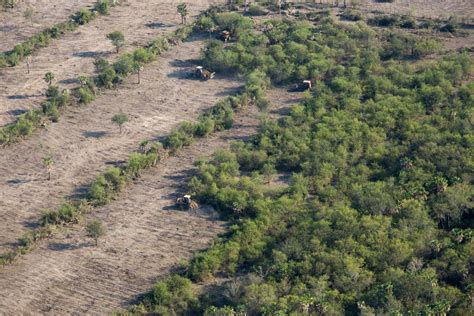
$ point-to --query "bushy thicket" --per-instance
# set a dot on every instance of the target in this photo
(292, 52)
(379, 212)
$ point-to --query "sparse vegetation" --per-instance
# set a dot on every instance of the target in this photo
(48, 163)
(95, 229)
(120, 119)
(182, 9)
(117, 38)
(41, 39)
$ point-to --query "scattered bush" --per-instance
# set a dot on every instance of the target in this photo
(352, 15)
(102, 6)
(255, 9)
(82, 17)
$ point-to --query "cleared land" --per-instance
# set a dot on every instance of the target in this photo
(146, 237)
(85, 142)
(15, 27)
(424, 8)
(72, 55)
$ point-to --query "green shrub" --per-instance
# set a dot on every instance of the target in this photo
(255, 9)
(3, 61)
(106, 186)
(173, 296)
(233, 22)
(49, 218)
(102, 6)
(13, 59)
(107, 78)
(85, 95)
(82, 17)
(101, 64)
(52, 92)
(352, 15)
(385, 20)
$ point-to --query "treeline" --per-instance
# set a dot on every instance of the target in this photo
(42, 39)
(379, 213)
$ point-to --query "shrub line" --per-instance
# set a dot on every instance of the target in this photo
(107, 186)
(41, 39)
(108, 77)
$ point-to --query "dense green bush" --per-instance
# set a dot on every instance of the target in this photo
(82, 17)
(102, 6)
(385, 20)
(378, 215)
(352, 15)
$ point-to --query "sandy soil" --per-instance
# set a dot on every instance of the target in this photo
(15, 27)
(146, 237)
(73, 55)
(424, 8)
(85, 142)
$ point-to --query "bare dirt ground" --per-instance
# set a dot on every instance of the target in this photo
(85, 142)
(146, 237)
(423, 8)
(15, 27)
(72, 55)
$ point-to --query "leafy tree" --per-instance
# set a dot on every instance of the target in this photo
(182, 9)
(120, 119)
(102, 6)
(49, 77)
(95, 229)
(117, 38)
(207, 24)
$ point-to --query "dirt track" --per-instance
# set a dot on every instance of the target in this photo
(85, 142)
(145, 238)
(72, 55)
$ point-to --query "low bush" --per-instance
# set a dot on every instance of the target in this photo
(82, 17)
(352, 15)
(102, 6)
(255, 9)
(85, 95)
(385, 20)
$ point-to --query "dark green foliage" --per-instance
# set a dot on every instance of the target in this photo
(102, 6)
(83, 16)
(255, 9)
(378, 215)
(85, 95)
(117, 38)
(352, 15)
(385, 20)
(95, 229)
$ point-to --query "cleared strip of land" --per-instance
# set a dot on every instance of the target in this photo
(73, 54)
(16, 25)
(146, 237)
(85, 142)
